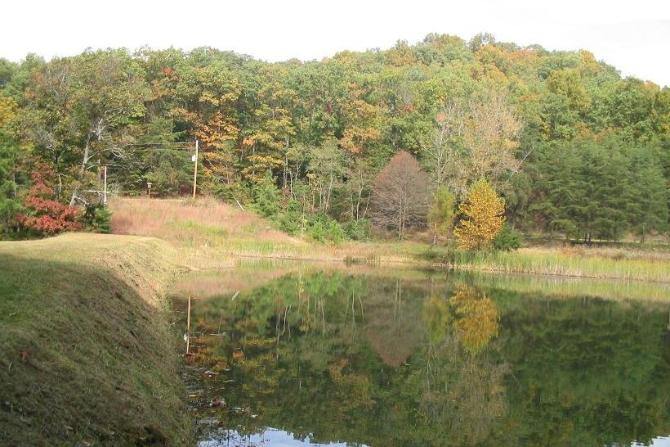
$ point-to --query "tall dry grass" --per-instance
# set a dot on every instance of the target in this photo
(590, 263)
(202, 221)
(210, 229)
(567, 287)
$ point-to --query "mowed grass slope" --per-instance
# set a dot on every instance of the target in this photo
(86, 354)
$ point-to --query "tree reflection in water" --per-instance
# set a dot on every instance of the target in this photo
(364, 360)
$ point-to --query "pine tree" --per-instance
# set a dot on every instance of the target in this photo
(441, 214)
(647, 199)
(9, 204)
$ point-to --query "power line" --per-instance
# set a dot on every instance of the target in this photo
(149, 149)
(174, 143)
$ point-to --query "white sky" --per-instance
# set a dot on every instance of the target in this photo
(634, 36)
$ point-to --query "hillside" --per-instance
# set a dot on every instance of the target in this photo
(86, 356)
(209, 232)
(308, 141)
(202, 222)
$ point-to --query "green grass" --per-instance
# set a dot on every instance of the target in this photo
(562, 287)
(613, 264)
(86, 354)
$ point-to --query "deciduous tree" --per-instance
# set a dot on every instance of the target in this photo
(482, 217)
(9, 203)
(475, 139)
(400, 194)
(43, 214)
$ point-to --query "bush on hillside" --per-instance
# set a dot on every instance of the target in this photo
(326, 229)
(235, 193)
(507, 239)
(97, 218)
(357, 230)
(266, 197)
(42, 214)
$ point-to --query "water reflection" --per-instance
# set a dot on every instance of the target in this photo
(333, 358)
(269, 437)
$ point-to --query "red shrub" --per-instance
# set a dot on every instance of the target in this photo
(45, 215)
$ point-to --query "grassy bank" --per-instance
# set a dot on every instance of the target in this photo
(86, 354)
(629, 265)
(209, 234)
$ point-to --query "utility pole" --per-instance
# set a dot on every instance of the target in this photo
(104, 189)
(188, 326)
(195, 169)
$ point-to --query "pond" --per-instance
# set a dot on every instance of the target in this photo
(311, 355)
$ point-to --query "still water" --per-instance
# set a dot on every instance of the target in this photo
(315, 356)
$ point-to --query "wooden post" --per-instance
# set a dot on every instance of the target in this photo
(195, 169)
(188, 326)
(104, 189)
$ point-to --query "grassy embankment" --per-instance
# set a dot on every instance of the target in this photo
(86, 353)
(210, 233)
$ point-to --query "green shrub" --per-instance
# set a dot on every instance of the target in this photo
(290, 218)
(326, 229)
(289, 222)
(507, 239)
(235, 193)
(358, 230)
(97, 218)
(266, 197)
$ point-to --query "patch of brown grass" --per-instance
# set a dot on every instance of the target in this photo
(205, 221)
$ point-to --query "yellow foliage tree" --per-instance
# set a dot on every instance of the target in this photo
(482, 217)
(7, 110)
(477, 318)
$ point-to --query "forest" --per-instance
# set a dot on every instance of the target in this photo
(395, 141)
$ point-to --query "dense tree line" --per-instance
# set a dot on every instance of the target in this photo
(573, 148)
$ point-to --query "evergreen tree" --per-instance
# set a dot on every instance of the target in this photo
(647, 195)
(590, 189)
(9, 204)
(442, 212)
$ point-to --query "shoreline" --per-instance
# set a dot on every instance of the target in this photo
(60, 291)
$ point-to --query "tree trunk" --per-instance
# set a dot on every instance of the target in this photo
(82, 168)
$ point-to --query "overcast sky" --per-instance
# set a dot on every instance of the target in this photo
(634, 36)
